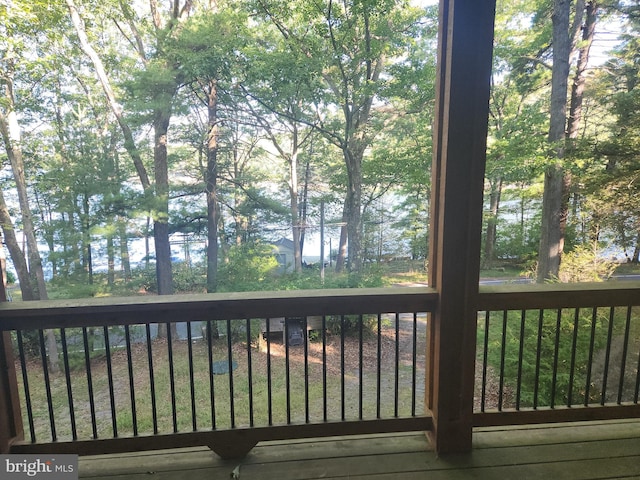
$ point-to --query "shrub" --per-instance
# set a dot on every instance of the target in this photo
(248, 267)
(189, 278)
(585, 264)
(555, 333)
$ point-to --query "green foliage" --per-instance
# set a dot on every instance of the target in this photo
(247, 267)
(76, 286)
(518, 241)
(586, 263)
(143, 279)
(189, 278)
(208, 45)
(554, 371)
(11, 278)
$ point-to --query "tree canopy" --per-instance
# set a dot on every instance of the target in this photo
(172, 144)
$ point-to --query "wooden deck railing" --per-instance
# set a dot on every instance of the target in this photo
(559, 352)
(544, 354)
(214, 380)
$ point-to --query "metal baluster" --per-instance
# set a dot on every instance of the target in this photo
(212, 392)
(67, 374)
(287, 371)
(485, 361)
(555, 358)
(192, 386)
(396, 403)
(637, 390)
(249, 372)
(232, 411)
(360, 365)
(625, 349)
(47, 383)
(172, 380)
(152, 382)
(503, 351)
(536, 385)
(132, 392)
(87, 360)
(305, 338)
(25, 382)
(342, 384)
(324, 368)
(112, 396)
(269, 386)
(379, 369)
(574, 347)
(523, 318)
(414, 365)
(607, 357)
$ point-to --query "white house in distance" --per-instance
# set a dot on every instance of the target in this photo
(284, 254)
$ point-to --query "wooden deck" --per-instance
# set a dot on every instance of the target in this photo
(593, 450)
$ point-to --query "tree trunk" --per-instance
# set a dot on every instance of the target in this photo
(10, 130)
(164, 274)
(212, 189)
(240, 219)
(492, 222)
(75, 265)
(342, 244)
(296, 231)
(304, 202)
(87, 263)
(553, 214)
(580, 77)
(124, 248)
(111, 260)
(161, 219)
(353, 159)
(17, 257)
(354, 230)
(47, 232)
(551, 235)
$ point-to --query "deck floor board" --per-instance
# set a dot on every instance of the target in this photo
(585, 451)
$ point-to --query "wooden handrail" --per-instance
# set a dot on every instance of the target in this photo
(220, 306)
(558, 295)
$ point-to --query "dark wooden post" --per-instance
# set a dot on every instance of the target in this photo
(11, 428)
(465, 47)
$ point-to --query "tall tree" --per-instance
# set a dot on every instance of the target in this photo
(207, 49)
(10, 131)
(283, 107)
(349, 45)
(17, 256)
(159, 81)
(554, 211)
(612, 186)
(14, 30)
(580, 75)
